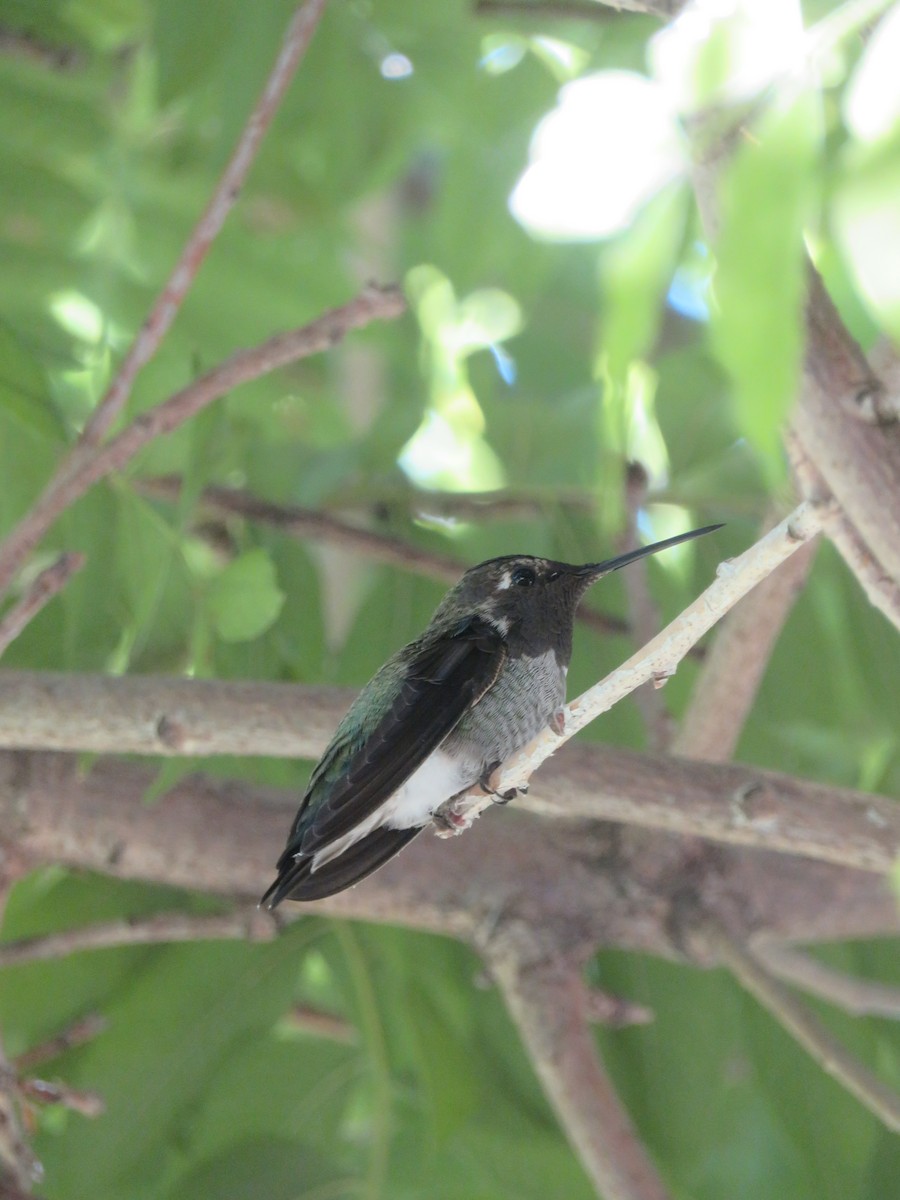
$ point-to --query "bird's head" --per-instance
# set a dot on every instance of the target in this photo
(533, 600)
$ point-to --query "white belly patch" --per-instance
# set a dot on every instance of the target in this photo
(436, 780)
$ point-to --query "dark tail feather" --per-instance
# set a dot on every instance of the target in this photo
(297, 881)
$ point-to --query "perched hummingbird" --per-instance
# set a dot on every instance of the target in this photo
(441, 716)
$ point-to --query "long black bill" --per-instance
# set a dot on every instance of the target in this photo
(595, 570)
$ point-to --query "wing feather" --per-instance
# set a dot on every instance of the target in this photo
(444, 679)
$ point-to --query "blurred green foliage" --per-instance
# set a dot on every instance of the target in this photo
(535, 365)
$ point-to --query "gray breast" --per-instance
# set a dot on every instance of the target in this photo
(513, 712)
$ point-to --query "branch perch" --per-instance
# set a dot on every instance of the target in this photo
(659, 659)
(859, 997)
(739, 805)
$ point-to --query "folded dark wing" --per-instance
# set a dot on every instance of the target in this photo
(444, 679)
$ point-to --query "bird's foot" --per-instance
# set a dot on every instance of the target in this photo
(489, 780)
(449, 823)
(558, 722)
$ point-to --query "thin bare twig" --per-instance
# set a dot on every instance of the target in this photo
(76, 1034)
(805, 1028)
(45, 1091)
(642, 612)
(59, 491)
(249, 924)
(859, 997)
(736, 663)
(322, 1024)
(616, 1012)
(577, 10)
(16, 43)
(297, 38)
(50, 581)
(316, 525)
(370, 305)
(657, 660)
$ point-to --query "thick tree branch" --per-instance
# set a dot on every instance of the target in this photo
(883, 591)
(546, 1001)
(738, 805)
(582, 889)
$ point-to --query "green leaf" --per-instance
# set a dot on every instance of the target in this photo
(765, 202)
(245, 599)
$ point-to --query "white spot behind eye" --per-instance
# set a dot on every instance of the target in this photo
(504, 581)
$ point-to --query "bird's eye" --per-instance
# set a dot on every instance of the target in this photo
(523, 577)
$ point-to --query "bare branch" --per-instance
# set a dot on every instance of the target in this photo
(318, 526)
(616, 1012)
(76, 477)
(735, 665)
(860, 997)
(223, 837)
(806, 1029)
(250, 924)
(16, 43)
(576, 10)
(546, 1001)
(882, 591)
(738, 805)
(643, 614)
(85, 1103)
(296, 40)
(50, 581)
(76, 1034)
(659, 658)
(76, 467)
(16, 1158)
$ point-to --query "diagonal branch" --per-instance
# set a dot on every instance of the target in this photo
(546, 1000)
(251, 924)
(50, 581)
(59, 491)
(805, 1027)
(859, 997)
(370, 305)
(318, 526)
(659, 658)
(736, 663)
(297, 38)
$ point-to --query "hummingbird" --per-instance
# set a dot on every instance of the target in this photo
(441, 716)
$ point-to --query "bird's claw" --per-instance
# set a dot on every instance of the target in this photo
(487, 781)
